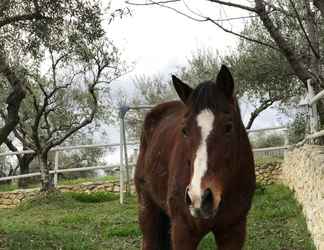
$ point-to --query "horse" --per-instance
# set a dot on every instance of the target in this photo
(195, 171)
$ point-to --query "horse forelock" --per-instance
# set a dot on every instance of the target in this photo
(208, 96)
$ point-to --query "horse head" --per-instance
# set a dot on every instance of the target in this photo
(209, 130)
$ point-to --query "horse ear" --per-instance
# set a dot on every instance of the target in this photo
(183, 90)
(225, 81)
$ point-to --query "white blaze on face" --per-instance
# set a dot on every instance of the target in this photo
(205, 120)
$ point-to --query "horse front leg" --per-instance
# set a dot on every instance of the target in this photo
(183, 237)
(231, 239)
(154, 225)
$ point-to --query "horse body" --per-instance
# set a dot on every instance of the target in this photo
(193, 182)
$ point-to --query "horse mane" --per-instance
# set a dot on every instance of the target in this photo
(208, 96)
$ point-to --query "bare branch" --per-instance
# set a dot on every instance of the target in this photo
(214, 21)
(264, 105)
(231, 4)
(242, 36)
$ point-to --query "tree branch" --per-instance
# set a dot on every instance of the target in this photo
(264, 105)
(303, 29)
(231, 4)
(152, 2)
(242, 36)
(283, 45)
(214, 21)
(12, 147)
(14, 99)
(19, 18)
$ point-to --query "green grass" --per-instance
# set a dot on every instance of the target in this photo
(8, 187)
(14, 186)
(83, 180)
(97, 222)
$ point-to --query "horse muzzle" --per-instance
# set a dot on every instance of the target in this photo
(204, 206)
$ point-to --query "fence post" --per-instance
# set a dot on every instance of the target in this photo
(286, 140)
(56, 167)
(313, 114)
(121, 164)
(126, 158)
(122, 112)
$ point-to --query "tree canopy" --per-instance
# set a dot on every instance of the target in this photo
(62, 60)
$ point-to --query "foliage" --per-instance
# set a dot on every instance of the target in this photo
(27, 27)
(297, 128)
(275, 222)
(294, 30)
(96, 197)
(67, 62)
(203, 65)
(264, 140)
(262, 74)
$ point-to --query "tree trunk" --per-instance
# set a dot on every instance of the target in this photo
(46, 180)
(313, 30)
(24, 163)
(264, 105)
(14, 99)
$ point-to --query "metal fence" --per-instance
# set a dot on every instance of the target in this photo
(315, 131)
(57, 151)
(271, 151)
(124, 165)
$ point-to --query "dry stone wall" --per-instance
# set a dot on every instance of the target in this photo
(268, 173)
(13, 198)
(303, 172)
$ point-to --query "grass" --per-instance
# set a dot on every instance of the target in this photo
(14, 186)
(83, 180)
(97, 221)
(8, 187)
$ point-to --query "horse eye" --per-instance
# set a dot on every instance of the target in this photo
(228, 128)
(184, 132)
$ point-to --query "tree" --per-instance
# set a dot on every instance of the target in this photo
(69, 94)
(297, 128)
(254, 76)
(295, 29)
(265, 140)
(263, 76)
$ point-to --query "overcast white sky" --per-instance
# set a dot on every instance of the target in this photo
(158, 40)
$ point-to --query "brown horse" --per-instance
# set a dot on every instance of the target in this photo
(195, 172)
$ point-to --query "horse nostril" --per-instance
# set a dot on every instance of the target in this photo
(187, 197)
(207, 200)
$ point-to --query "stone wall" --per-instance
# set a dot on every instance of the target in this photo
(303, 172)
(13, 198)
(268, 173)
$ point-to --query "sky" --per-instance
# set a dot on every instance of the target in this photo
(158, 40)
(155, 40)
